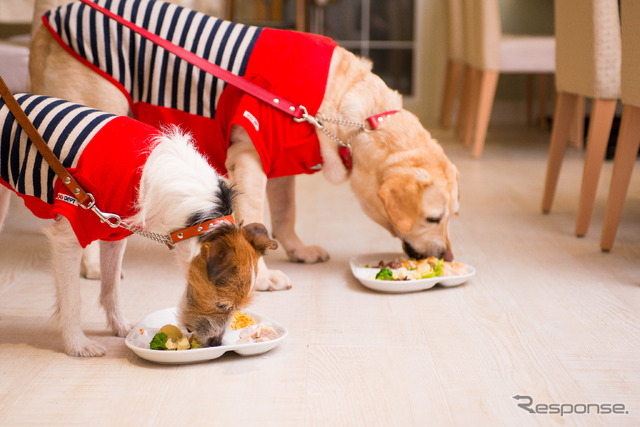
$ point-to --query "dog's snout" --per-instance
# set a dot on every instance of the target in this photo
(445, 254)
(408, 249)
(215, 341)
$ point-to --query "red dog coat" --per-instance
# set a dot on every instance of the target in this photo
(104, 152)
(162, 88)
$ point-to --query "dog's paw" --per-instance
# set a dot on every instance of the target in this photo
(272, 280)
(90, 271)
(121, 329)
(308, 254)
(85, 348)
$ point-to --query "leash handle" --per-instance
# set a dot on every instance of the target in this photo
(36, 139)
(287, 107)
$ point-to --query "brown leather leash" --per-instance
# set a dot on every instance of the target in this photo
(113, 220)
(36, 139)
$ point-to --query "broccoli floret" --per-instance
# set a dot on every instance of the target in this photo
(159, 341)
(384, 274)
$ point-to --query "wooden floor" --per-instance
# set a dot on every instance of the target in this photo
(547, 316)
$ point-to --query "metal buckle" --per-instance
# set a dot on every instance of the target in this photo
(91, 204)
(307, 118)
(112, 220)
(365, 128)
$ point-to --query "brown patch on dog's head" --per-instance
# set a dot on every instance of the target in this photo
(221, 279)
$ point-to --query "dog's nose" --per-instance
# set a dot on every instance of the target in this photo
(408, 249)
(215, 341)
(446, 254)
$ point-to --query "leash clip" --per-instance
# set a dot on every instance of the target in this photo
(307, 118)
(112, 220)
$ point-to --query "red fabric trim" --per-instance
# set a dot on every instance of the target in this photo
(73, 53)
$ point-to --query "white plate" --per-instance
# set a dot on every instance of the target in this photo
(366, 276)
(150, 324)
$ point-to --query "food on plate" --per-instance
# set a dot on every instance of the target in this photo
(240, 320)
(249, 330)
(170, 337)
(172, 331)
(257, 333)
(413, 269)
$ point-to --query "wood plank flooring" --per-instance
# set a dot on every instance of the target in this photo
(547, 316)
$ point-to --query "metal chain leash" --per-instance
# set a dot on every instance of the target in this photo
(160, 238)
(114, 221)
(321, 118)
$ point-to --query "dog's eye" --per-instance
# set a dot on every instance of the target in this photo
(224, 307)
(433, 219)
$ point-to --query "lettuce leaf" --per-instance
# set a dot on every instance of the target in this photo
(159, 341)
(436, 271)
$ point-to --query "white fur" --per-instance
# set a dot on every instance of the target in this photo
(176, 183)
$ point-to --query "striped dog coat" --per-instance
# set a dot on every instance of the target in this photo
(104, 153)
(162, 88)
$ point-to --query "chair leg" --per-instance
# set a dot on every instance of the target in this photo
(529, 100)
(576, 136)
(488, 82)
(470, 120)
(453, 80)
(464, 101)
(565, 108)
(625, 158)
(542, 101)
(602, 112)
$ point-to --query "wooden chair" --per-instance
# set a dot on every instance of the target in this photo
(629, 135)
(494, 53)
(455, 63)
(587, 65)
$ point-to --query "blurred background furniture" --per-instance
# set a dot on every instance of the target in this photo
(587, 65)
(491, 54)
(268, 13)
(464, 128)
(629, 135)
(455, 61)
(15, 25)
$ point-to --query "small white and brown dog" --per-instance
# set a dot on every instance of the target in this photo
(154, 181)
(398, 172)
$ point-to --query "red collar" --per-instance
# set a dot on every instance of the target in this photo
(344, 149)
(196, 230)
(375, 120)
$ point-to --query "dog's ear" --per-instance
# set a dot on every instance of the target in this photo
(216, 261)
(259, 238)
(401, 196)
